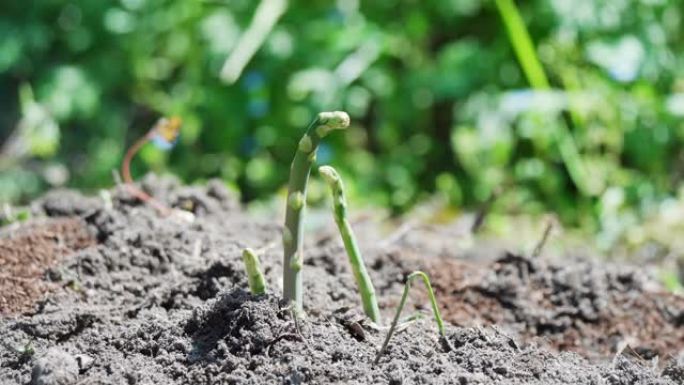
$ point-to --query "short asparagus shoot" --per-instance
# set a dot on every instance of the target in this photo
(404, 296)
(255, 278)
(304, 158)
(363, 280)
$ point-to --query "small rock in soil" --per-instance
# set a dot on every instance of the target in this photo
(56, 367)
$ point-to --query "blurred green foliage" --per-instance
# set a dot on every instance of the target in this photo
(438, 99)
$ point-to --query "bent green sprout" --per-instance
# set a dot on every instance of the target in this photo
(435, 310)
(363, 280)
(257, 283)
(304, 158)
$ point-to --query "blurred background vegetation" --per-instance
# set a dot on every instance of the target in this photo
(566, 106)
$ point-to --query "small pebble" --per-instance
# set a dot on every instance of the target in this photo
(55, 367)
(84, 362)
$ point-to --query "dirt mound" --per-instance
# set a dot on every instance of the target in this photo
(596, 311)
(162, 301)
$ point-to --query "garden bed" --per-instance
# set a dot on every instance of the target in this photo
(109, 292)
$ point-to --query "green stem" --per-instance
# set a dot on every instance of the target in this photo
(522, 45)
(266, 16)
(304, 158)
(363, 280)
(534, 72)
(257, 283)
(404, 296)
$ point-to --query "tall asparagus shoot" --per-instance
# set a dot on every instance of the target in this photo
(435, 310)
(304, 158)
(363, 280)
(255, 278)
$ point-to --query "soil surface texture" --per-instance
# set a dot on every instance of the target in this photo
(106, 291)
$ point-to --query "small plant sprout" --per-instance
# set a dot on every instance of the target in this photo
(164, 134)
(11, 215)
(435, 311)
(26, 350)
(257, 283)
(542, 242)
(363, 280)
(304, 158)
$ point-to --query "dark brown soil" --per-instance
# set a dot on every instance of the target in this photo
(580, 307)
(28, 251)
(163, 301)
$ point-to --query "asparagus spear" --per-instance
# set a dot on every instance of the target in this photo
(257, 284)
(363, 280)
(305, 156)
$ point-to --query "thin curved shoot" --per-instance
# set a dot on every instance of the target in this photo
(363, 280)
(255, 278)
(304, 158)
(164, 135)
(404, 296)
